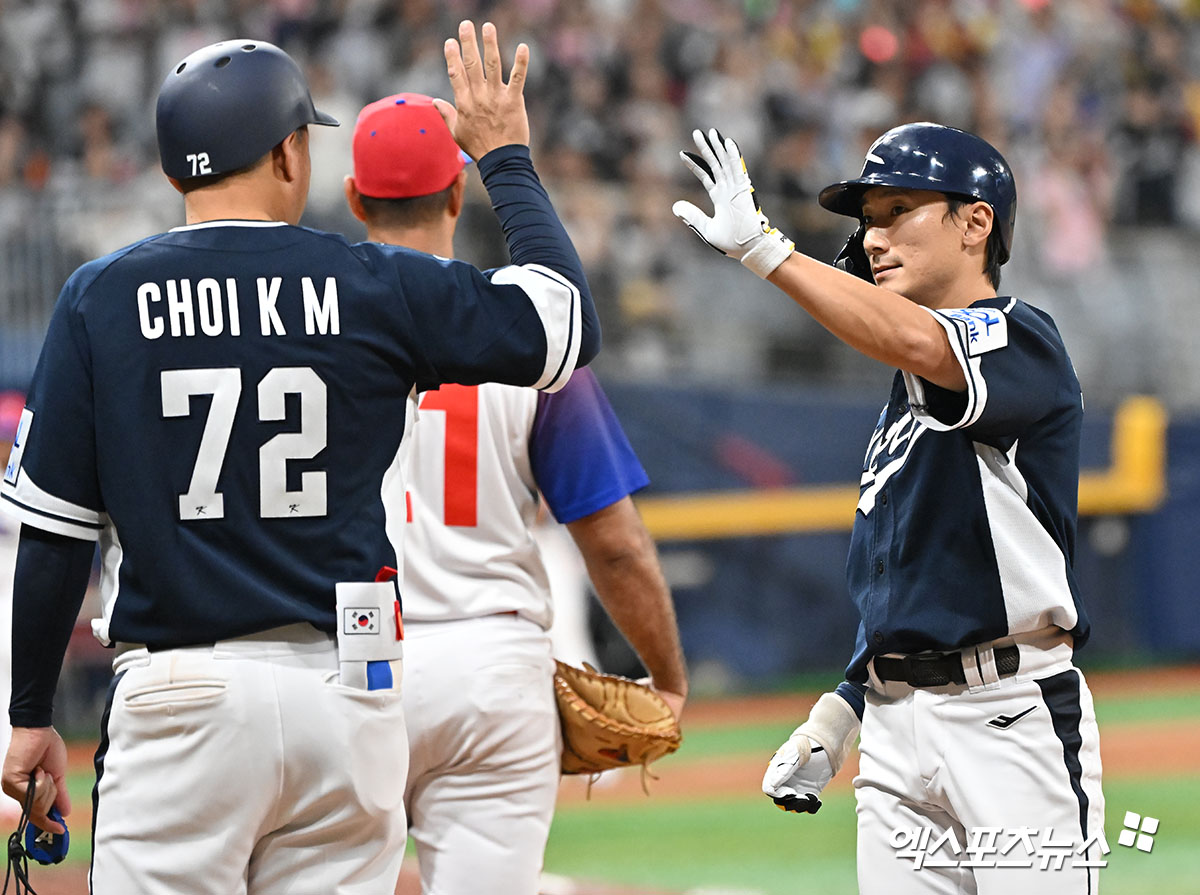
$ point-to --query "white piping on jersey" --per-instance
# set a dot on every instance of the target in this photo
(111, 556)
(1012, 303)
(556, 301)
(1031, 565)
(33, 506)
(972, 372)
(204, 225)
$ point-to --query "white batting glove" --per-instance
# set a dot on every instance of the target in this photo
(737, 228)
(815, 751)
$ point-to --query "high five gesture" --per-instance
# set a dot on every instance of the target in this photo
(487, 113)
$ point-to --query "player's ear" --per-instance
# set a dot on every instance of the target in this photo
(978, 219)
(457, 193)
(287, 159)
(354, 198)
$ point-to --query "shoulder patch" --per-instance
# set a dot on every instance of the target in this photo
(986, 328)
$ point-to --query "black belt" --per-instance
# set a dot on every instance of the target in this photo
(939, 669)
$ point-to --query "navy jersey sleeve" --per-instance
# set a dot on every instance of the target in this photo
(1016, 367)
(535, 236)
(468, 328)
(581, 459)
(51, 479)
(530, 323)
(48, 588)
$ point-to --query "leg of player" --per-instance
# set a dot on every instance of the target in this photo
(484, 735)
(1011, 772)
(185, 731)
(891, 825)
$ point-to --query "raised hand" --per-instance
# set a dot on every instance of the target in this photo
(737, 227)
(487, 113)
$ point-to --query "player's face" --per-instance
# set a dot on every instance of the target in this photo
(913, 243)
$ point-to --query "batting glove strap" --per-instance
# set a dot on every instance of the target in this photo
(737, 227)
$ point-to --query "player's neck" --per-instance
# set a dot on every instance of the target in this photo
(965, 291)
(434, 240)
(238, 201)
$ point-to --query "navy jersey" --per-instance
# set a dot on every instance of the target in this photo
(965, 528)
(220, 406)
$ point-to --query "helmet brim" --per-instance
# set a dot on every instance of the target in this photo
(844, 197)
(324, 118)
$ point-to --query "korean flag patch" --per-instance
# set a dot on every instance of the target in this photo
(984, 329)
(360, 620)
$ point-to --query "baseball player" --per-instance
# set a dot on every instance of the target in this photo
(222, 407)
(976, 726)
(483, 728)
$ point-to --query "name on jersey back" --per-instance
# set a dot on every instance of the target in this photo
(214, 307)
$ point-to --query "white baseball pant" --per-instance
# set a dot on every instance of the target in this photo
(1013, 762)
(245, 768)
(485, 742)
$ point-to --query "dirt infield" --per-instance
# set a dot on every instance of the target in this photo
(1124, 747)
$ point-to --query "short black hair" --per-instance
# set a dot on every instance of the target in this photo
(994, 250)
(411, 211)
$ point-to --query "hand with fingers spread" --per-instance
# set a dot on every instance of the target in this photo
(38, 750)
(487, 113)
(737, 228)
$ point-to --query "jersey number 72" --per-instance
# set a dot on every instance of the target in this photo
(202, 500)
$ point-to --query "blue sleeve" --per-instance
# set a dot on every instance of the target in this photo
(580, 456)
(533, 231)
(48, 588)
(51, 480)
(1016, 367)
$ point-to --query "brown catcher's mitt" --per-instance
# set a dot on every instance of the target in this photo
(609, 721)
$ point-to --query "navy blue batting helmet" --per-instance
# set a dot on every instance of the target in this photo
(227, 105)
(928, 156)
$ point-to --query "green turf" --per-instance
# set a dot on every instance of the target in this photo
(1142, 708)
(1171, 866)
(748, 845)
(79, 785)
(745, 844)
(752, 739)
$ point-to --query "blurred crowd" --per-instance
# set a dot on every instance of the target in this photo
(1096, 103)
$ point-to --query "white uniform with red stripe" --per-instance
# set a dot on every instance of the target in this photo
(482, 724)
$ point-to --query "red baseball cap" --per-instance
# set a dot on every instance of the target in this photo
(402, 148)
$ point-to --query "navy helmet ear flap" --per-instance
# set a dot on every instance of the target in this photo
(853, 256)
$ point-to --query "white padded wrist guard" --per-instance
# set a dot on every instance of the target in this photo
(768, 253)
(833, 725)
